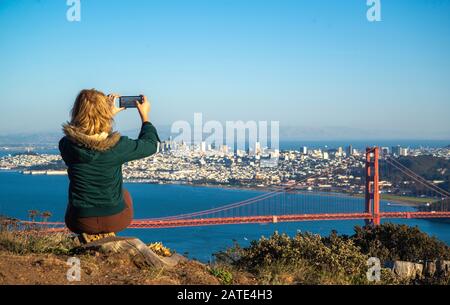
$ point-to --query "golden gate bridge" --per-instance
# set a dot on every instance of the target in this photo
(291, 203)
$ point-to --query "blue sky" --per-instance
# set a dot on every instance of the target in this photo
(317, 66)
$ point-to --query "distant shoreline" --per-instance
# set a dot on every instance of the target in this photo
(206, 185)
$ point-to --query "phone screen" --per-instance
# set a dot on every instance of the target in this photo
(129, 101)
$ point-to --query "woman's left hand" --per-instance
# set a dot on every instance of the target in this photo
(112, 97)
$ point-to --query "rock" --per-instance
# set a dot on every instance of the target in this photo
(407, 269)
(443, 267)
(174, 259)
(430, 268)
(75, 240)
(141, 255)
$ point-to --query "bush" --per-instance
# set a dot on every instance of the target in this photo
(335, 260)
(310, 259)
(390, 242)
(224, 276)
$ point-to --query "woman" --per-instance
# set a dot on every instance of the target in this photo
(98, 205)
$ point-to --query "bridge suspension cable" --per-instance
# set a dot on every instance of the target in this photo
(236, 204)
(425, 181)
(417, 178)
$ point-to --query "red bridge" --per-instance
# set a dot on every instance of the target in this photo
(292, 203)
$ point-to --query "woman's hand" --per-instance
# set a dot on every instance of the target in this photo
(112, 98)
(143, 108)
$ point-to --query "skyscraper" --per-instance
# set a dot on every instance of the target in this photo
(396, 150)
(304, 150)
(203, 146)
(350, 150)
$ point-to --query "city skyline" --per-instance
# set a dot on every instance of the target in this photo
(320, 68)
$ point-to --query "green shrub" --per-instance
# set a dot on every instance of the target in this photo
(225, 276)
(311, 259)
(317, 258)
(390, 242)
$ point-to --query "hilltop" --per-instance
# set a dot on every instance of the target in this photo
(43, 259)
(407, 255)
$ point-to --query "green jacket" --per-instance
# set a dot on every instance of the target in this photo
(95, 167)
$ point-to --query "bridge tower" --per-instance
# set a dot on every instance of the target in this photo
(372, 186)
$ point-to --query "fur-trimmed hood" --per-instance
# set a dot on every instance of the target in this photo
(100, 142)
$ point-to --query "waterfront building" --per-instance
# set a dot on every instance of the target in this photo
(304, 150)
(403, 152)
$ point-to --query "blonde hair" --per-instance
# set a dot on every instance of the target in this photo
(92, 112)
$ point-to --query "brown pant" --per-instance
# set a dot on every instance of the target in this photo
(103, 224)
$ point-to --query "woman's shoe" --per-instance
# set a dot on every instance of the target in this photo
(87, 238)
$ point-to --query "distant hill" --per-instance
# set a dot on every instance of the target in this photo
(428, 167)
(30, 138)
(52, 138)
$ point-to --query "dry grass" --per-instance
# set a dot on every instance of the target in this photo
(26, 242)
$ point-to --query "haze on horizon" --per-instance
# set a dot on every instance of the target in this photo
(319, 67)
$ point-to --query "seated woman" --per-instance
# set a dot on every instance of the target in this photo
(98, 206)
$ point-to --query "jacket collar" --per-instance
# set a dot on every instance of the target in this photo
(99, 142)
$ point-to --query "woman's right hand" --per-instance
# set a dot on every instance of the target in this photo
(143, 108)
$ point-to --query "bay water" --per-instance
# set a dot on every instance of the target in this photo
(20, 193)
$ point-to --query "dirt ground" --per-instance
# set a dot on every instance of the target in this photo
(102, 270)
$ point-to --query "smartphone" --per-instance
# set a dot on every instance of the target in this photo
(130, 101)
